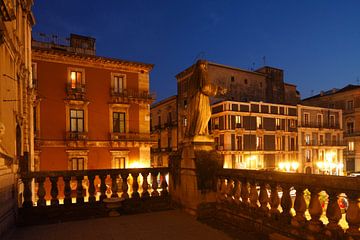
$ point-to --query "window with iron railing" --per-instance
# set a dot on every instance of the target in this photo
(76, 120)
(119, 122)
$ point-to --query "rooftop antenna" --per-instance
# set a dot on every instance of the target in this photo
(264, 60)
(357, 80)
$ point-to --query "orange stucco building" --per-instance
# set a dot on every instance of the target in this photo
(92, 112)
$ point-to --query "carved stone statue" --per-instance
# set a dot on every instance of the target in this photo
(200, 89)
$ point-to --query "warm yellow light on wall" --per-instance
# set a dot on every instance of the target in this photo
(288, 166)
(136, 164)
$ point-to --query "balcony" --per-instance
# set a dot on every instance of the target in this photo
(76, 92)
(317, 125)
(76, 136)
(137, 137)
(129, 95)
(324, 143)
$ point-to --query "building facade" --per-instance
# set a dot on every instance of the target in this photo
(265, 84)
(320, 135)
(255, 135)
(347, 99)
(163, 125)
(16, 96)
(92, 112)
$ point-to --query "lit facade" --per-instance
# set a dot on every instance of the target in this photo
(16, 98)
(348, 100)
(92, 112)
(255, 135)
(164, 129)
(320, 140)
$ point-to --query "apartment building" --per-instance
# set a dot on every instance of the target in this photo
(255, 135)
(265, 84)
(163, 126)
(16, 99)
(92, 112)
(347, 99)
(321, 143)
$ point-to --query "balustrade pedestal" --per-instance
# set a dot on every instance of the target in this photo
(187, 193)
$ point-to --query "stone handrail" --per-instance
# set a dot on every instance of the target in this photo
(291, 203)
(63, 187)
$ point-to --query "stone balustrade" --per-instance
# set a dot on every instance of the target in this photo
(92, 186)
(297, 205)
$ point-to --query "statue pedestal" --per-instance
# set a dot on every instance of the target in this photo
(187, 193)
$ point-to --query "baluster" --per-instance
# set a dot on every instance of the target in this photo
(244, 192)
(164, 185)
(145, 185)
(315, 211)
(103, 187)
(54, 191)
(333, 213)
(135, 194)
(253, 195)
(124, 185)
(222, 189)
(263, 198)
(353, 216)
(79, 190)
(286, 203)
(41, 191)
(229, 190)
(114, 186)
(67, 190)
(300, 208)
(154, 184)
(27, 192)
(236, 191)
(274, 201)
(92, 197)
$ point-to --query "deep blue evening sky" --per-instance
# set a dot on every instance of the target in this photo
(316, 42)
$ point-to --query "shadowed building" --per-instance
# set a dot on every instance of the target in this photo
(348, 100)
(92, 112)
(163, 126)
(16, 99)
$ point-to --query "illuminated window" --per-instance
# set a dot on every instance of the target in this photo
(118, 122)
(119, 162)
(278, 143)
(258, 122)
(75, 79)
(292, 123)
(277, 123)
(76, 120)
(258, 143)
(307, 139)
(350, 105)
(185, 121)
(119, 83)
(77, 163)
(238, 121)
(351, 146)
(216, 123)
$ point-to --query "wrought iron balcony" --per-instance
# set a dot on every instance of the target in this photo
(324, 143)
(76, 136)
(126, 95)
(75, 91)
(131, 137)
(317, 125)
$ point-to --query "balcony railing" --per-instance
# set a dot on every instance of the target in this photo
(76, 136)
(317, 125)
(132, 94)
(56, 188)
(75, 92)
(296, 205)
(324, 143)
(131, 137)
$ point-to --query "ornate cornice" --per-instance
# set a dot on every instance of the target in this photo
(50, 55)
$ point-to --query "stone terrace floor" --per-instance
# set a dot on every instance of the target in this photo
(173, 224)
